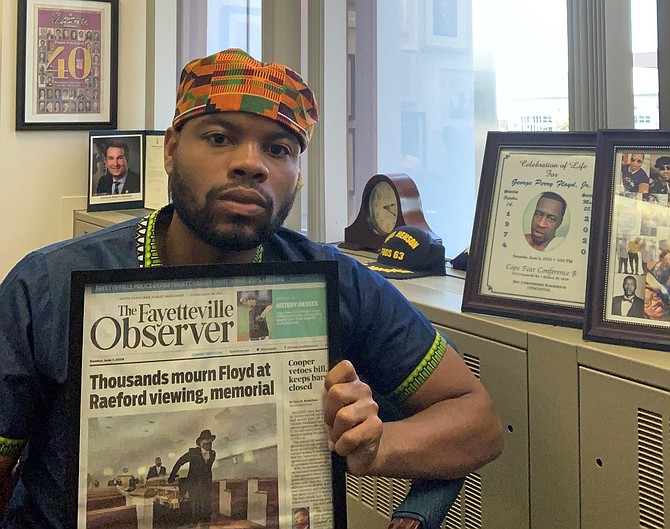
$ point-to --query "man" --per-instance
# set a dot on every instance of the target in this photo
(622, 255)
(198, 483)
(547, 218)
(233, 160)
(629, 304)
(660, 182)
(634, 249)
(634, 178)
(118, 179)
(258, 314)
(301, 518)
(157, 470)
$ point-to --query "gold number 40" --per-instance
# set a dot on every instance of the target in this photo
(57, 62)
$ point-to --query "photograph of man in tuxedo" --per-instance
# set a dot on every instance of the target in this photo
(629, 304)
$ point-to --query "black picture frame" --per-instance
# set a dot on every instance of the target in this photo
(512, 272)
(101, 194)
(67, 64)
(630, 207)
(203, 280)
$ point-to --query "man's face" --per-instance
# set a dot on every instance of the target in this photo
(629, 286)
(233, 177)
(158, 462)
(546, 220)
(301, 520)
(249, 302)
(664, 170)
(636, 161)
(116, 162)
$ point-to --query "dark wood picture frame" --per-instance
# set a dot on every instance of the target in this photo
(631, 214)
(507, 274)
(67, 64)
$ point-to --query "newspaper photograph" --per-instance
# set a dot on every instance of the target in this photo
(201, 402)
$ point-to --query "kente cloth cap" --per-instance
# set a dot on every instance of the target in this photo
(233, 81)
(409, 252)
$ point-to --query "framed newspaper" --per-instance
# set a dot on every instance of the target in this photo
(195, 394)
(531, 235)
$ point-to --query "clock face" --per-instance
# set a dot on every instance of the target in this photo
(383, 207)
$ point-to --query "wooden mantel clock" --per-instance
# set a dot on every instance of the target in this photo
(389, 200)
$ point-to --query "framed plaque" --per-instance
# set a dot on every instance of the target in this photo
(629, 261)
(67, 64)
(214, 373)
(156, 193)
(531, 235)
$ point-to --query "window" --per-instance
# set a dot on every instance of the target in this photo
(234, 24)
(208, 26)
(447, 72)
(444, 72)
(645, 63)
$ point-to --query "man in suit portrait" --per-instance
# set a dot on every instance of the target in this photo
(157, 470)
(118, 179)
(198, 483)
(629, 304)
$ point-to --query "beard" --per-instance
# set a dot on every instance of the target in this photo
(239, 233)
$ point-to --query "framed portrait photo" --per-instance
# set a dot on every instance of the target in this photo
(67, 64)
(531, 236)
(116, 170)
(629, 259)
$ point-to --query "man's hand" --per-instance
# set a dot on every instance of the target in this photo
(354, 427)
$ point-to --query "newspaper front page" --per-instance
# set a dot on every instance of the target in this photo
(203, 398)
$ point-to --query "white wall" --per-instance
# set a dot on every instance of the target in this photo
(38, 168)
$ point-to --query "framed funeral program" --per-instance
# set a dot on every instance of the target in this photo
(531, 237)
(629, 264)
(195, 395)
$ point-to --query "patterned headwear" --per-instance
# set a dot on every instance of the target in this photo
(233, 81)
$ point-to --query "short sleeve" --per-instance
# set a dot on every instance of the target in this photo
(384, 336)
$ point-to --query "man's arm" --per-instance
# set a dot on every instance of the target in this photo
(454, 429)
(178, 464)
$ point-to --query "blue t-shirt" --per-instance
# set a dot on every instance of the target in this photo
(393, 347)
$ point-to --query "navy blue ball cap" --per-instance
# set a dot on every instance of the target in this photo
(408, 252)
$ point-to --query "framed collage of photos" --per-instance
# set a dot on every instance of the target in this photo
(531, 236)
(170, 363)
(67, 64)
(629, 260)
